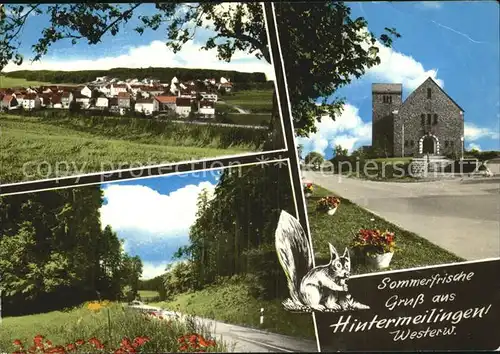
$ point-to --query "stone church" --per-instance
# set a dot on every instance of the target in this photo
(427, 122)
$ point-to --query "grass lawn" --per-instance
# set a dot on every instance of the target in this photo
(231, 302)
(65, 327)
(148, 294)
(6, 82)
(256, 101)
(35, 148)
(412, 250)
(401, 160)
(250, 119)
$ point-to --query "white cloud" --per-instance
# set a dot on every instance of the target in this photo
(348, 130)
(473, 146)
(154, 54)
(152, 270)
(396, 67)
(473, 132)
(143, 212)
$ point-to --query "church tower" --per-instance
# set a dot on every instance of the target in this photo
(386, 101)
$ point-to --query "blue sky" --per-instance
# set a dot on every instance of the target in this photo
(129, 49)
(153, 215)
(456, 43)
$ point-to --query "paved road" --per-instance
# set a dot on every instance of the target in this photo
(221, 124)
(243, 339)
(462, 217)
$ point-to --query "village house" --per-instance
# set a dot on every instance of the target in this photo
(9, 102)
(124, 100)
(56, 101)
(31, 101)
(85, 91)
(206, 108)
(183, 106)
(427, 122)
(102, 103)
(113, 103)
(82, 100)
(145, 105)
(164, 103)
(45, 100)
(209, 96)
(116, 89)
(66, 99)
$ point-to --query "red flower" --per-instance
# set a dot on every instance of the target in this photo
(96, 343)
(80, 342)
(193, 338)
(181, 339)
(141, 340)
(183, 348)
(48, 343)
(38, 341)
(70, 347)
(17, 343)
(56, 350)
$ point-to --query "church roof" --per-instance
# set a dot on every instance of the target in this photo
(387, 88)
(443, 91)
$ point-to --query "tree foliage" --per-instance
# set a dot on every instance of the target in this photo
(314, 158)
(54, 253)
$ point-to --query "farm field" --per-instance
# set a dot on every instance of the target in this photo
(35, 148)
(254, 101)
(6, 82)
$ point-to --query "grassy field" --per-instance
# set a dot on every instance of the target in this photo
(34, 148)
(250, 119)
(255, 101)
(6, 82)
(401, 160)
(412, 250)
(231, 302)
(148, 294)
(67, 327)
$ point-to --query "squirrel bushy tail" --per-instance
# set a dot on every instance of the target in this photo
(294, 254)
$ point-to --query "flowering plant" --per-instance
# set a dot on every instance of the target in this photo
(374, 241)
(45, 346)
(308, 188)
(328, 203)
(194, 343)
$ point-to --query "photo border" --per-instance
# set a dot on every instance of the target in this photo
(95, 177)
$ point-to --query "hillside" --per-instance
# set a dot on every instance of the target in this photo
(162, 74)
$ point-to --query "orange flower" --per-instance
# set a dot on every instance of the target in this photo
(96, 343)
(70, 347)
(141, 340)
(17, 343)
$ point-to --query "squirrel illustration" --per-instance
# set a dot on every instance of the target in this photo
(321, 288)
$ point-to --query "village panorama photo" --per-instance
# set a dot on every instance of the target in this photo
(132, 85)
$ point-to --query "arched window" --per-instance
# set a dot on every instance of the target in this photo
(429, 93)
(428, 119)
(435, 118)
(422, 118)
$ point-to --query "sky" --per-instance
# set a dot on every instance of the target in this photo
(153, 215)
(129, 49)
(455, 43)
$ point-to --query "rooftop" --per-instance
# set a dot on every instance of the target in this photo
(386, 88)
